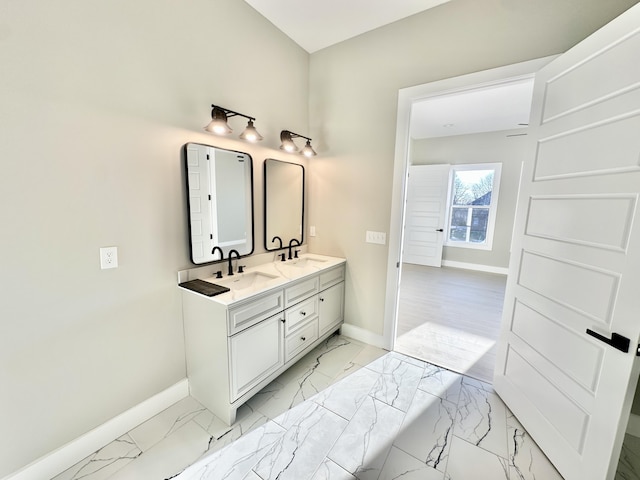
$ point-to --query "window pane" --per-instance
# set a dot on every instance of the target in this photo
(458, 234)
(479, 222)
(459, 217)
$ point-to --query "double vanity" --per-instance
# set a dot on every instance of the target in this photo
(273, 314)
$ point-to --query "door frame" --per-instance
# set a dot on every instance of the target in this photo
(406, 98)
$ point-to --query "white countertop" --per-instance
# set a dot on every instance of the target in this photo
(268, 276)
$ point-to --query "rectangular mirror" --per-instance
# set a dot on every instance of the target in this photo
(220, 198)
(283, 203)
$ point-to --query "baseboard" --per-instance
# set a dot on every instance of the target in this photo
(476, 267)
(633, 427)
(362, 335)
(68, 455)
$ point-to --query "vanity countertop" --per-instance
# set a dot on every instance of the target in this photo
(268, 276)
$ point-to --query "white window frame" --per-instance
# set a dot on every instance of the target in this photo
(493, 208)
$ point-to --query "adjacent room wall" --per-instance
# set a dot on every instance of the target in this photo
(98, 99)
(354, 89)
(494, 147)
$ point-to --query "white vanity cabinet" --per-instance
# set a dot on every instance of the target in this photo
(235, 348)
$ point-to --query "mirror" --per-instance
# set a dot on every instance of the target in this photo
(220, 198)
(283, 203)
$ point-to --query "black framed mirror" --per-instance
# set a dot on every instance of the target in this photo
(220, 202)
(283, 203)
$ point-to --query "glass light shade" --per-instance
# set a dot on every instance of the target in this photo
(307, 150)
(250, 133)
(287, 142)
(218, 123)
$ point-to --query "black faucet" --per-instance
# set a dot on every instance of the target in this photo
(230, 272)
(297, 243)
(279, 239)
(218, 249)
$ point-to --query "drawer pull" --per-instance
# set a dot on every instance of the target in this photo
(303, 338)
(321, 299)
(282, 320)
(303, 313)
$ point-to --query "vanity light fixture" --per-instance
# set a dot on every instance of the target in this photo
(287, 144)
(219, 125)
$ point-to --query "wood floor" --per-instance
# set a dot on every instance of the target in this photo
(450, 317)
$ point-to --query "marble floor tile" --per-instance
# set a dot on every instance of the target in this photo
(526, 460)
(441, 383)
(398, 381)
(105, 462)
(303, 448)
(629, 463)
(329, 470)
(467, 462)
(168, 457)
(345, 397)
(235, 461)
(402, 466)
(427, 430)
(363, 446)
(165, 423)
(482, 419)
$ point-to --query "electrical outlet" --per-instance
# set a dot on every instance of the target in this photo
(108, 257)
(376, 237)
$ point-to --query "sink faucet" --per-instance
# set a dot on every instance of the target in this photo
(213, 252)
(273, 240)
(230, 272)
(297, 243)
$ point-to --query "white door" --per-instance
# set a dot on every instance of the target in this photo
(426, 210)
(575, 261)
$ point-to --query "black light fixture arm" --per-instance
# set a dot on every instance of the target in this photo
(232, 113)
(293, 135)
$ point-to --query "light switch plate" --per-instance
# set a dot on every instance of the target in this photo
(376, 237)
(108, 257)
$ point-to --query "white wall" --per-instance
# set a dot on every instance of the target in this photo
(97, 99)
(494, 147)
(354, 89)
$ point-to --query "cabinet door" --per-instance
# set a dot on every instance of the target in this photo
(331, 307)
(255, 353)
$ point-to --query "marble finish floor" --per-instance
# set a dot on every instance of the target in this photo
(346, 411)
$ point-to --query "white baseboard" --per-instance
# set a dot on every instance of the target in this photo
(633, 427)
(476, 267)
(362, 335)
(68, 455)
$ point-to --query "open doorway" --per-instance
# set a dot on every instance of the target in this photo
(450, 315)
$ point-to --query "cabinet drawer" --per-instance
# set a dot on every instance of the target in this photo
(300, 339)
(249, 313)
(299, 313)
(333, 276)
(300, 291)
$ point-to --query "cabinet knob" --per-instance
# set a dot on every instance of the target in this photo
(282, 320)
(303, 313)
(303, 338)
(321, 299)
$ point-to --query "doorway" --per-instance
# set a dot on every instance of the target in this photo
(450, 316)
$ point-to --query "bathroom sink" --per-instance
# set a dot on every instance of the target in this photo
(241, 281)
(306, 262)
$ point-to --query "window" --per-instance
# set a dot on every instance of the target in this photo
(473, 200)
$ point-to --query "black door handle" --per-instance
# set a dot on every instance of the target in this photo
(439, 229)
(616, 340)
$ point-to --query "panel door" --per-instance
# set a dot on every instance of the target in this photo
(427, 191)
(255, 353)
(331, 307)
(575, 262)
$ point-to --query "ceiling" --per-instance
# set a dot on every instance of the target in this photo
(317, 24)
(502, 107)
